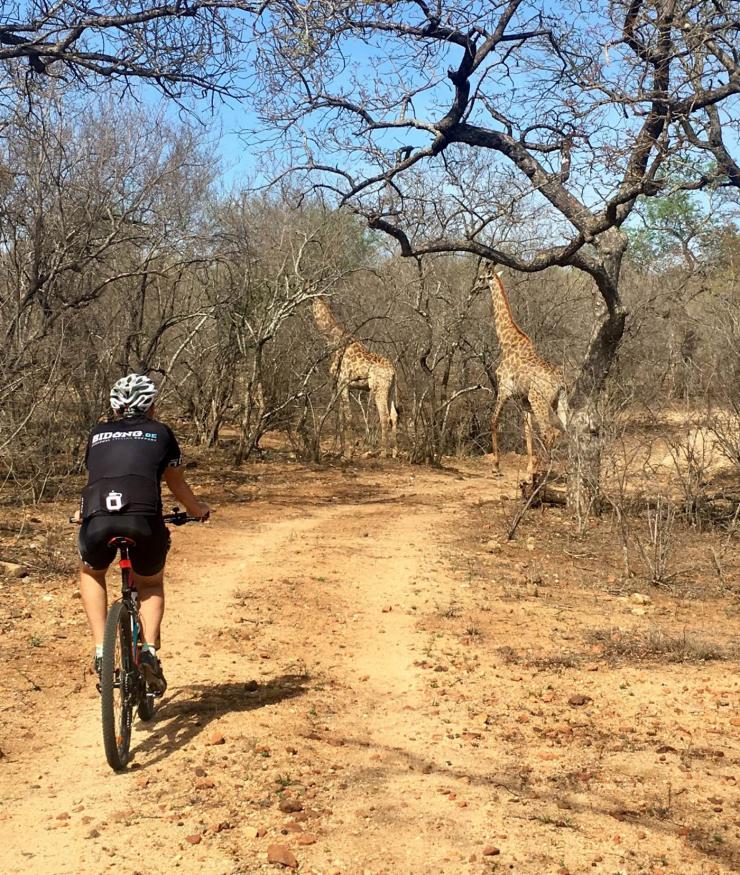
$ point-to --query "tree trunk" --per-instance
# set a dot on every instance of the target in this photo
(254, 410)
(584, 427)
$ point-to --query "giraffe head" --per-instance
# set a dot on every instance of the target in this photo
(326, 321)
(485, 277)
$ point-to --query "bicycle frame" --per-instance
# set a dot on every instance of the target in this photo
(129, 592)
(129, 597)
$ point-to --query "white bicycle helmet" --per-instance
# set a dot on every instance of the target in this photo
(132, 395)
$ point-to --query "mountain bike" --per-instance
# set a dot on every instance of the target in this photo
(122, 684)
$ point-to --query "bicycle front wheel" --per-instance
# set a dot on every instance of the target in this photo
(118, 686)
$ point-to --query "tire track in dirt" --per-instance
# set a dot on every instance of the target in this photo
(321, 633)
(65, 806)
(56, 798)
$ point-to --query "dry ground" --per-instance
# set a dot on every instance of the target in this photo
(364, 672)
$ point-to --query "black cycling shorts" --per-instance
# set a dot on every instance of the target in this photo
(149, 532)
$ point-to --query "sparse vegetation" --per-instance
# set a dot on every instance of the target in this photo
(658, 646)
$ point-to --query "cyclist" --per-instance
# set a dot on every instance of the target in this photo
(126, 458)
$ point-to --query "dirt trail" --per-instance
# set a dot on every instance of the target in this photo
(354, 678)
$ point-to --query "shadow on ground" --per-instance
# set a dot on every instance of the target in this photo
(190, 710)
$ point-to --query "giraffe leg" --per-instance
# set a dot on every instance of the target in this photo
(381, 404)
(345, 413)
(394, 426)
(531, 460)
(500, 401)
(541, 415)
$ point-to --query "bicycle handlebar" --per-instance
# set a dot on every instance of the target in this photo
(176, 518)
(180, 517)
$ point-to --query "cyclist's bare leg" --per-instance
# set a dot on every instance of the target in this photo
(94, 600)
(151, 605)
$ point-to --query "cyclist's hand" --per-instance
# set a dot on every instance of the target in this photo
(204, 512)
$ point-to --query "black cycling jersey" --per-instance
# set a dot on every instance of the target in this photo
(126, 459)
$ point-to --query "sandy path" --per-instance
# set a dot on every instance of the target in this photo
(73, 792)
(345, 684)
(48, 818)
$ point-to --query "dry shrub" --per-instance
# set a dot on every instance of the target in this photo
(655, 645)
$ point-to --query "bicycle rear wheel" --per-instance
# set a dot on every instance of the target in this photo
(118, 686)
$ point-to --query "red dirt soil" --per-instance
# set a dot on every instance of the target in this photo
(365, 672)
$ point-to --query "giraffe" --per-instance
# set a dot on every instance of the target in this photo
(353, 366)
(523, 374)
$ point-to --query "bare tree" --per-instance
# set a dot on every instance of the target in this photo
(90, 215)
(177, 47)
(506, 131)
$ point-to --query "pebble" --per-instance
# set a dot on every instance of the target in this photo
(282, 855)
(12, 570)
(290, 805)
(216, 738)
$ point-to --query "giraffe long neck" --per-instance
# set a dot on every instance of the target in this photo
(510, 335)
(327, 323)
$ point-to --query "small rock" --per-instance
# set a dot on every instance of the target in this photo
(251, 686)
(578, 700)
(282, 856)
(204, 784)
(638, 598)
(490, 851)
(492, 546)
(194, 839)
(216, 738)
(12, 570)
(306, 838)
(290, 805)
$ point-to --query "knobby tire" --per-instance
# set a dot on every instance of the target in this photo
(146, 707)
(118, 675)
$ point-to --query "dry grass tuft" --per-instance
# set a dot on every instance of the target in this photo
(655, 645)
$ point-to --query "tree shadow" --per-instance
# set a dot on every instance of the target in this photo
(190, 710)
(515, 779)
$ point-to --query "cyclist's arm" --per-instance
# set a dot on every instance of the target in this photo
(175, 479)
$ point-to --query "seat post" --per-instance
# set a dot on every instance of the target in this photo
(122, 544)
